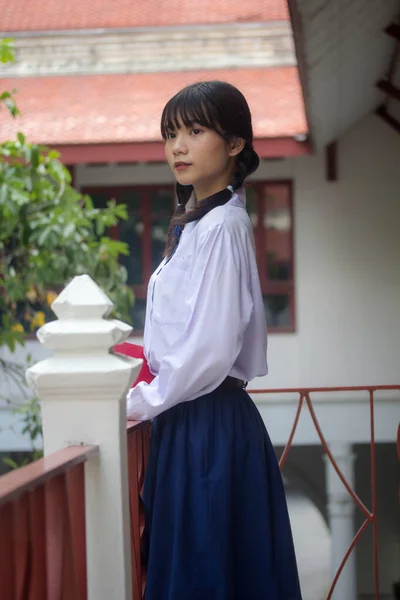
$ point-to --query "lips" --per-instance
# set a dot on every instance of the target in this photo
(180, 166)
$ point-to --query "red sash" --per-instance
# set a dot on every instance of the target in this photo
(135, 351)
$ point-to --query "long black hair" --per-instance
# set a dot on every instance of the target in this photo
(221, 107)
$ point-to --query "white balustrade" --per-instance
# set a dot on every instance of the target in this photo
(82, 391)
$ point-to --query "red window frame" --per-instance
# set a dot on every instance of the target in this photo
(114, 192)
(268, 286)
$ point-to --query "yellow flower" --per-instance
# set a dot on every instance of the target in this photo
(31, 294)
(50, 297)
(38, 320)
(17, 327)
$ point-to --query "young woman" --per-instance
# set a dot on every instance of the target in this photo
(217, 523)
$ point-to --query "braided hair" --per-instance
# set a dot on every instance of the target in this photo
(219, 106)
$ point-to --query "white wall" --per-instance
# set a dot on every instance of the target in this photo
(347, 251)
(348, 275)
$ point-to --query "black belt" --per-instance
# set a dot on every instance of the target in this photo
(231, 383)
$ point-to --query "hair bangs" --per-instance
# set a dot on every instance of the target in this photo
(187, 107)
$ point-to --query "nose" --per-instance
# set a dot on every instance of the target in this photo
(179, 145)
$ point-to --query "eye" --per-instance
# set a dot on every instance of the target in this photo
(170, 135)
(196, 131)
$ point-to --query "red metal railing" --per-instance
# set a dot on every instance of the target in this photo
(138, 448)
(398, 454)
(42, 528)
(370, 515)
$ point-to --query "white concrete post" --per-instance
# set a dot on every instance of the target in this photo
(82, 392)
(341, 508)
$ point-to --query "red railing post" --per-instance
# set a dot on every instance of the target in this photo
(37, 533)
(7, 551)
(41, 557)
(138, 446)
(373, 493)
(76, 513)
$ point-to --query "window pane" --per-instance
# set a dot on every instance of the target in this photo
(159, 233)
(278, 226)
(277, 310)
(162, 201)
(162, 208)
(139, 314)
(131, 232)
(100, 198)
(131, 198)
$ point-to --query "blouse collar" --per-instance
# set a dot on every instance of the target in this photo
(238, 199)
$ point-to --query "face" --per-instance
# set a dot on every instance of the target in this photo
(200, 157)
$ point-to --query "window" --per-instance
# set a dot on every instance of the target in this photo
(270, 208)
(150, 208)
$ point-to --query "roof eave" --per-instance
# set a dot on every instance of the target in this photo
(148, 152)
(298, 38)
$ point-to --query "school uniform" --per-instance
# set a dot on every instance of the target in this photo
(217, 526)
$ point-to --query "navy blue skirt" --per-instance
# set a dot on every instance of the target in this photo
(217, 525)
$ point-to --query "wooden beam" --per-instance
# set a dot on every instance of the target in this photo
(331, 162)
(389, 88)
(383, 113)
(299, 46)
(122, 152)
(394, 31)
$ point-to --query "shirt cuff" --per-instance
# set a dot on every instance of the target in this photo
(136, 407)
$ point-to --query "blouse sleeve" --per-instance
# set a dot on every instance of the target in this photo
(220, 307)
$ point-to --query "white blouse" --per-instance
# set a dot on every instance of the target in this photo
(205, 315)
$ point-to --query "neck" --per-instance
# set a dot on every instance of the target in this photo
(197, 202)
(207, 190)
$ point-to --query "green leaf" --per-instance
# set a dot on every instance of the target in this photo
(12, 107)
(35, 157)
(10, 462)
(7, 51)
(53, 154)
(70, 228)
(37, 454)
(44, 236)
(3, 193)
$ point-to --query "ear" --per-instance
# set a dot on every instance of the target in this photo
(236, 146)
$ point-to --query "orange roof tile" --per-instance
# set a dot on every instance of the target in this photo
(47, 15)
(127, 108)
